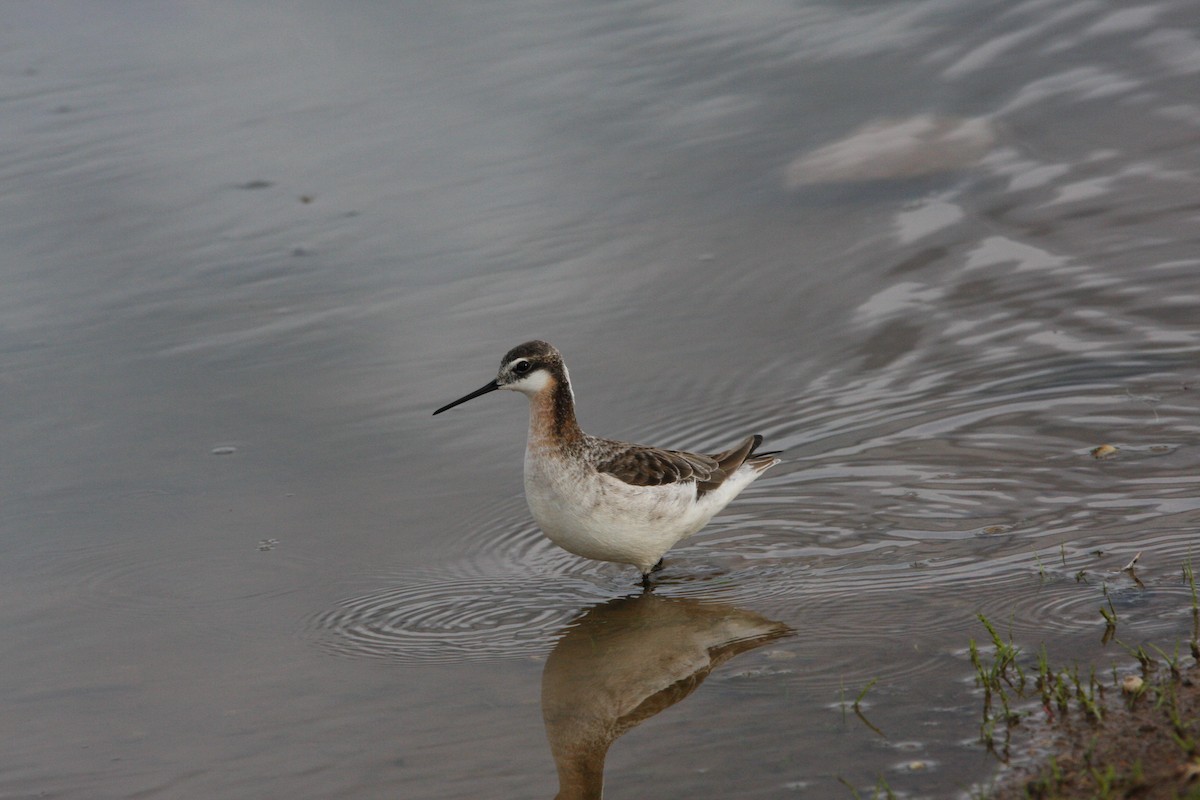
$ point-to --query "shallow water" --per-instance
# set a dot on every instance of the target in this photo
(249, 249)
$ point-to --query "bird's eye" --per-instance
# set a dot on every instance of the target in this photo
(521, 367)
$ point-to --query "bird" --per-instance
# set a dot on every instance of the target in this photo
(609, 500)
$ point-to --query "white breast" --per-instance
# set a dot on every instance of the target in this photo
(597, 516)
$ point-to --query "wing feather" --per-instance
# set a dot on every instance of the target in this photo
(650, 466)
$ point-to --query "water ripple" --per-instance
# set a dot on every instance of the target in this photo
(484, 618)
(893, 496)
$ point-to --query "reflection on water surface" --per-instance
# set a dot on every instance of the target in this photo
(626, 660)
(230, 226)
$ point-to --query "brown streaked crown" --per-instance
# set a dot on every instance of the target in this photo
(539, 352)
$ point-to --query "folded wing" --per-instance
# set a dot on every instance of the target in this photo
(650, 466)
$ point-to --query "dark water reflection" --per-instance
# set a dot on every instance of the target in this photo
(248, 249)
(627, 660)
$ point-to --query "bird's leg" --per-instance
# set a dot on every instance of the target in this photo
(646, 585)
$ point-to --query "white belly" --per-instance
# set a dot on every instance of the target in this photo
(597, 516)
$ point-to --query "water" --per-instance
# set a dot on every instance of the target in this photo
(248, 249)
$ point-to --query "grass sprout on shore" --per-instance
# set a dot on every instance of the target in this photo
(1144, 659)
(1189, 575)
(857, 706)
(1142, 742)
(1110, 618)
(997, 679)
(858, 700)
(1110, 613)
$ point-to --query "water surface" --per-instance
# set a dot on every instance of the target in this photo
(249, 248)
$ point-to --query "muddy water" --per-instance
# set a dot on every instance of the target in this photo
(248, 249)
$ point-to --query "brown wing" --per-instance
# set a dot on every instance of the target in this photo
(649, 466)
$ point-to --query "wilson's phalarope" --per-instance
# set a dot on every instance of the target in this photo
(608, 500)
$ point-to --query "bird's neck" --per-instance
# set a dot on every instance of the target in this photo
(552, 415)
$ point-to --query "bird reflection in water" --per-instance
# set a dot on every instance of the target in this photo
(622, 662)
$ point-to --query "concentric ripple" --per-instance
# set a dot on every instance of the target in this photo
(485, 618)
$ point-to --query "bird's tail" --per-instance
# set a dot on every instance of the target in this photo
(762, 461)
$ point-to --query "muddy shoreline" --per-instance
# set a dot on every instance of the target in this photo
(1145, 743)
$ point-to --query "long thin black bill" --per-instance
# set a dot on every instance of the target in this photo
(490, 387)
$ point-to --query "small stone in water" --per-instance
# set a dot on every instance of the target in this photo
(224, 450)
(1104, 451)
